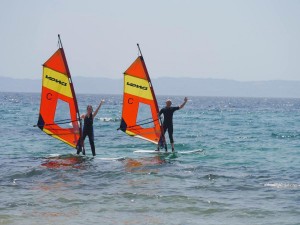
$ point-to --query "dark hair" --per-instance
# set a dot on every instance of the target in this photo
(89, 106)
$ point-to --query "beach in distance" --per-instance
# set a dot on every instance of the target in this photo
(247, 171)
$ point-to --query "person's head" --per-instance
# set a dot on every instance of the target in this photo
(168, 102)
(89, 108)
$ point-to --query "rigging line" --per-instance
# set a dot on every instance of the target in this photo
(150, 118)
(50, 124)
(64, 120)
(62, 129)
(60, 134)
(141, 124)
(159, 118)
(142, 130)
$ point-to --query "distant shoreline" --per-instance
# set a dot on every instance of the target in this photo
(169, 87)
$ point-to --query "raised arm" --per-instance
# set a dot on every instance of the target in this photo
(96, 111)
(183, 104)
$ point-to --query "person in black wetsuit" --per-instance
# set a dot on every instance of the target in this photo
(168, 118)
(88, 129)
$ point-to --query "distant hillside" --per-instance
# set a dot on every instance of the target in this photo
(218, 87)
(169, 86)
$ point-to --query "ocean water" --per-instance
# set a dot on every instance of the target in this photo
(247, 173)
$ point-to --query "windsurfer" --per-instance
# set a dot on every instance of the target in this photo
(88, 129)
(168, 111)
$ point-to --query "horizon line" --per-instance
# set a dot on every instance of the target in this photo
(163, 77)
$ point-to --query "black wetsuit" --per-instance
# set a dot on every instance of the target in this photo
(168, 120)
(88, 130)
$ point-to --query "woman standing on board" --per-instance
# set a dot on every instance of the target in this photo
(88, 129)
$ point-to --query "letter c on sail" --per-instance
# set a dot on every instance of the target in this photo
(130, 100)
(49, 96)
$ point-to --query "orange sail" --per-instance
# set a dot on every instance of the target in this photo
(140, 110)
(59, 115)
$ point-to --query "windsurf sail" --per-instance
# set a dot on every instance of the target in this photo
(59, 115)
(140, 110)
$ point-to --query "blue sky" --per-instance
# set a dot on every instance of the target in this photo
(234, 39)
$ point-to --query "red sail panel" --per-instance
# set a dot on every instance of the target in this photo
(57, 62)
(58, 110)
(140, 109)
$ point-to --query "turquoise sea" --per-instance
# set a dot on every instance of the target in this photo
(248, 172)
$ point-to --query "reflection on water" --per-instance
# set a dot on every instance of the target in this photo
(65, 161)
(144, 165)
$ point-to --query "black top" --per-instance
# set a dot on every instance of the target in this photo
(88, 122)
(168, 114)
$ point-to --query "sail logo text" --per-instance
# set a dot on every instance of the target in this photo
(137, 86)
(56, 80)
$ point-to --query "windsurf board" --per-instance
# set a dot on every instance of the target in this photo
(169, 152)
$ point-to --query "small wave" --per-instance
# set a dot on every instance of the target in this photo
(26, 174)
(282, 185)
(109, 119)
(286, 135)
(213, 177)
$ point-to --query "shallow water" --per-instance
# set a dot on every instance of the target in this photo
(248, 172)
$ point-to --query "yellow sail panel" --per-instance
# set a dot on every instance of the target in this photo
(59, 138)
(57, 82)
(137, 87)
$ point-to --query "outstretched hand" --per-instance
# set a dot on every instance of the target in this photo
(95, 113)
(185, 101)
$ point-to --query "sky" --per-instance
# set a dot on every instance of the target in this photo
(220, 39)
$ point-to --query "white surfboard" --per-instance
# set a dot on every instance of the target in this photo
(151, 151)
(169, 152)
(111, 159)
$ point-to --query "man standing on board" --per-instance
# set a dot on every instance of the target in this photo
(168, 119)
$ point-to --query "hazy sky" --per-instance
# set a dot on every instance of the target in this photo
(234, 39)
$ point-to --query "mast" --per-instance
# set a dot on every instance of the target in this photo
(59, 42)
(139, 49)
(73, 91)
(153, 94)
